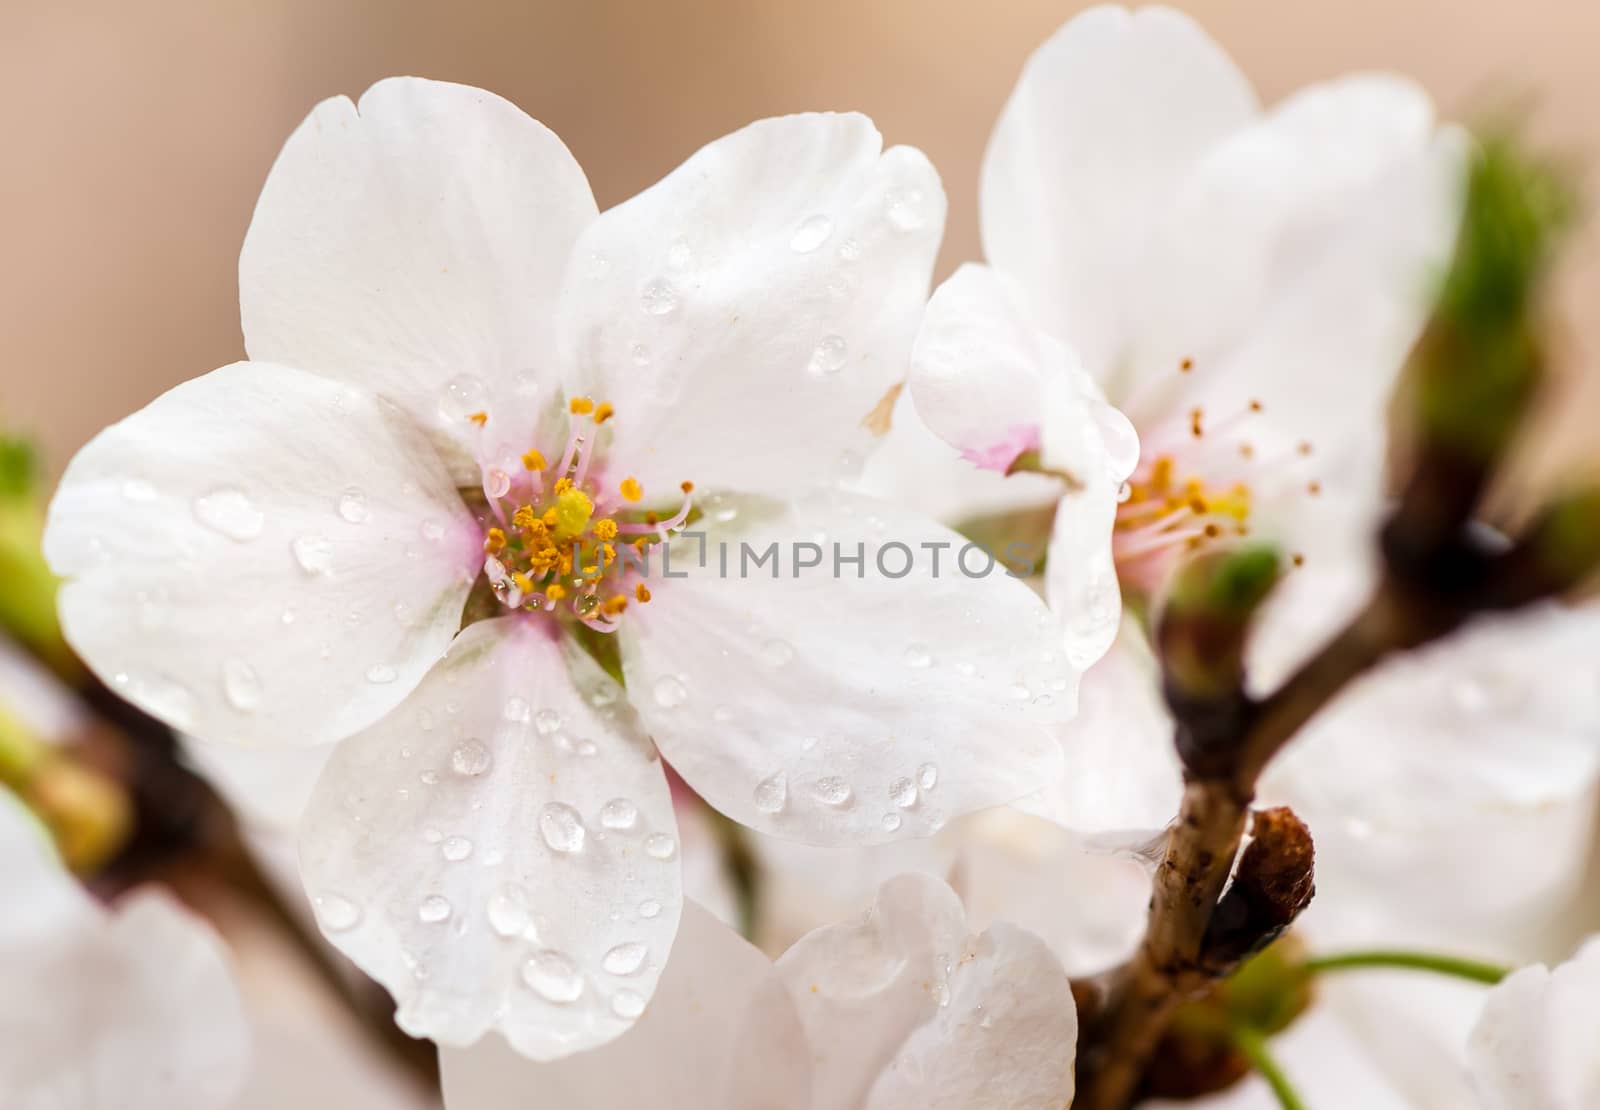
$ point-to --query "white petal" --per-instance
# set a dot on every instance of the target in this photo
(1473, 756)
(746, 314)
(908, 1008)
(261, 556)
(1122, 770)
(979, 367)
(268, 787)
(720, 1034)
(1106, 119)
(500, 851)
(414, 245)
(135, 1010)
(46, 900)
(1533, 1049)
(837, 709)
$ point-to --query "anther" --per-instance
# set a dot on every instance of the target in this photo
(479, 418)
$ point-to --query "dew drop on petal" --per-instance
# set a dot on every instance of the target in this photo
(777, 653)
(811, 234)
(230, 512)
(517, 710)
(831, 790)
(1118, 436)
(471, 758)
(496, 483)
(619, 813)
(891, 822)
(849, 250)
(463, 395)
(649, 909)
(456, 848)
(903, 793)
(381, 674)
(314, 554)
(562, 828)
(918, 656)
(670, 692)
(353, 505)
(772, 793)
(905, 209)
(641, 354)
(552, 976)
(432, 530)
(627, 1004)
(508, 911)
(625, 959)
(336, 912)
(660, 846)
(658, 298)
(241, 685)
(828, 356)
(434, 909)
(548, 722)
(927, 776)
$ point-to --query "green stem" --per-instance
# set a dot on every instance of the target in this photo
(1474, 970)
(1252, 1044)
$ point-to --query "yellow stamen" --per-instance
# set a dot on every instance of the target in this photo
(524, 518)
(479, 418)
(494, 541)
(686, 487)
(605, 529)
(603, 412)
(532, 460)
(641, 593)
(614, 605)
(578, 406)
(573, 510)
(630, 489)
(523, 582)
(555, 591)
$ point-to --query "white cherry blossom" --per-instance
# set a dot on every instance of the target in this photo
(461, 373)
(1533, 1047)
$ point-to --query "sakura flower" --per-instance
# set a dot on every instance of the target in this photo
(905, 1008)
(1533, 1047)
(134, 1008)
(461, 373)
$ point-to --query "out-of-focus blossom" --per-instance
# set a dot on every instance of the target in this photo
(128, 1009)
(905, 1008)
(1534, 1046)
(461, 373)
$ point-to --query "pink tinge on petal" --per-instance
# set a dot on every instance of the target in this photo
(1020, 438)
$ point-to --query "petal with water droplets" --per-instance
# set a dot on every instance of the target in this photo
(488, 886)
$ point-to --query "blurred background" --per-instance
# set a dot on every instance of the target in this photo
(138, 135)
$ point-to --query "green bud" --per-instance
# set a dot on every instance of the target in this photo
(1206, 614)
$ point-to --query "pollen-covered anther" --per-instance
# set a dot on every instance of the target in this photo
(555, 591)
(603, 412)
(614, 605)
(533, 461)
(580, 406)
(630, 489)
(494, 541)
(640, 592)
(478, 418)
(1197, 422)
(605, 529)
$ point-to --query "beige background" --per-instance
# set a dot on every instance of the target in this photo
(137, 134)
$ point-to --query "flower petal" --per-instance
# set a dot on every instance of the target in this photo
(1106, 119)
(907, 1008)
(826, 707)
(136, 1008)
(720, 1034)
(414, 245)
(1122, 771)
(261, 556)
(746, 314)
(1533, 1048)
(500, 851)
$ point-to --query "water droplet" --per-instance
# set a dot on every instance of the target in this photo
(517, 710)
(660, 846)
(777, 653)
(831, 790)
(849, 250)
(905, 209)
(508, 911)
(670, 692)
(658, 298)
(649, 909)
(891, 822)
(456, 848)
(471, 758)
(336, 913)
(927, 776)
(829, 355)
(903, 793)
(562, 827)
(496, 482)
(432, 530)
(641, 354)
(918, 656)
(463, 395)
(772, 793)
(619, 813)
(627, 1004)
(137, 489)
(230, 512)
(434, 909)
(552, 976)
(404, 615)
(680, 254)
(428, 778)
(811, 234)
(625, 959)
(353, 505)
(548, 722)
(241, 684)
(313, 553)
(381, 674)
(1118, 436)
